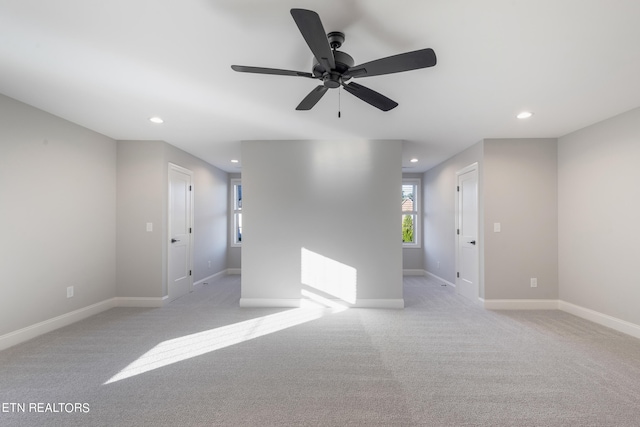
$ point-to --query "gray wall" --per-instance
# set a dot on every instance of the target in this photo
(74, 209)
(439, 202)
(142, 198)
(58, 216)
(599, 207)
(520, 192)
(338, 199)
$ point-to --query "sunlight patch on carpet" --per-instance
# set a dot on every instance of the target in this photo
(193, 345)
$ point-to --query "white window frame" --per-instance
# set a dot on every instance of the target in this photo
(416, 212)
(233, 212)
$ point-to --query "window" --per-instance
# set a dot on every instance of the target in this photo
(410, 213)
(236, 218)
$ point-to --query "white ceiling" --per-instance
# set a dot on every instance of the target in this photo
(110, 65)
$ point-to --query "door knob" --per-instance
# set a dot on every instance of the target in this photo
(174, 240)
(473, 242)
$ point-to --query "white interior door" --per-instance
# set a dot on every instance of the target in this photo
(180, 228)
(467, 233)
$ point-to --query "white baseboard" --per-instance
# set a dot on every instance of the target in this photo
(231, 271)
(30, 332)
(379, 303)
(435, 276)
(520, 304)
(269, 302)
(141, 302)
(35, 330)
(211, 278)
(585, 313)
(601, 319)
(296, 302)
(413, 272)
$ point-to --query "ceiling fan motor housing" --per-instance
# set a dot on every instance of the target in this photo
(333, 78)
(343, 62)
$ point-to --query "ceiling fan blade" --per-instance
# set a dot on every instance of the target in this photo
(310, 26)
(312, 99)
(395, 64)
(275, 71)
(370, 96)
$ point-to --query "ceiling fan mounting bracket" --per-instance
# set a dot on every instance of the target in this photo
(336, 38)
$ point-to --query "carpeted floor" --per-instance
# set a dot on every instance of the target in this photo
(441, 361)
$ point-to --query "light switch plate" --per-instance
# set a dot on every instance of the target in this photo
(149, 226)
(496, 227)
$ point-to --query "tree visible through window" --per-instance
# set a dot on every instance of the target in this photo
(410, 212)
(407, 229)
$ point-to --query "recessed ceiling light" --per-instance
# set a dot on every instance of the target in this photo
(234, 161)
(156, 120)
(414, 160)
(524, 115)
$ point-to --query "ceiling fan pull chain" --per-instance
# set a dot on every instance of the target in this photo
(339, 92)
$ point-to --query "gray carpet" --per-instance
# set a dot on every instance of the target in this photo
(439, 362)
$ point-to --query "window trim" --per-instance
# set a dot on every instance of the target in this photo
(233, 212)
(416, 211)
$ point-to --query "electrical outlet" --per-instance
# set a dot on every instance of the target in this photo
(534, 282)
(69, 291)
(438, 264)
(209, 264)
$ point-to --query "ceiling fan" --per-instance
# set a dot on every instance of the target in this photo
(335, 68)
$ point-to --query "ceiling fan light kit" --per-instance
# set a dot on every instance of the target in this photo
(335, 68)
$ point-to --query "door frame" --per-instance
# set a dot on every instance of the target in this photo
(174, 167)
(459, 173)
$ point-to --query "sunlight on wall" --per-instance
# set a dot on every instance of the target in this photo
(189, 346)
(333, 278)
